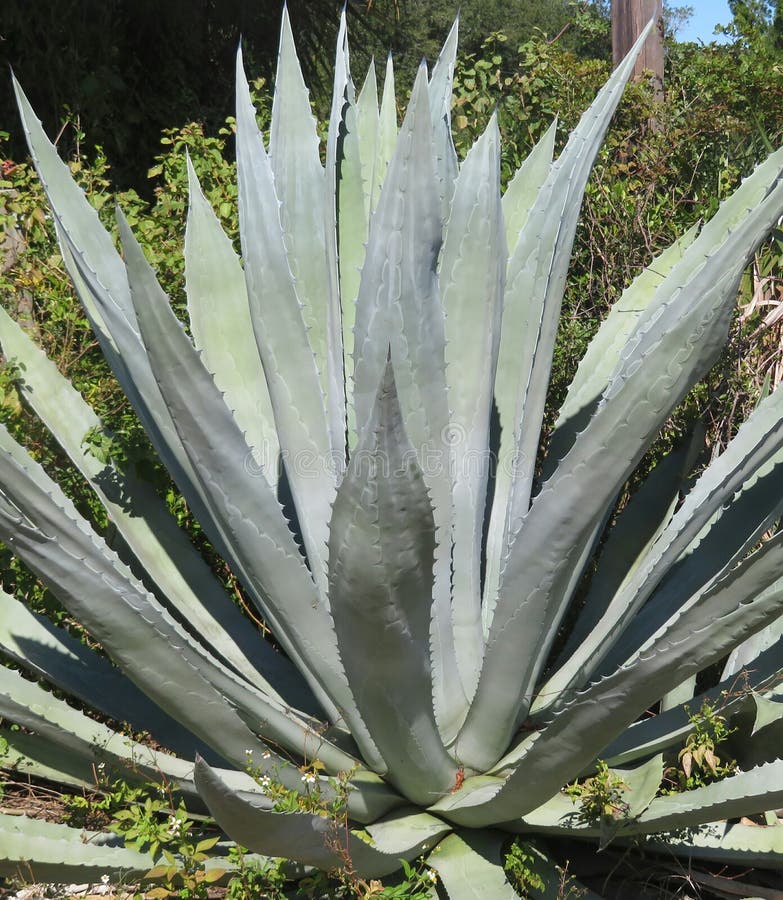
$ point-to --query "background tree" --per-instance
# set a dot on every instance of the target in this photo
(417, 28)
(674, 18)
(130, 68)
(628, 19)
(758, 24)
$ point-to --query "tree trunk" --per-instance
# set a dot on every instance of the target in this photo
(628, 19)
(12, 244)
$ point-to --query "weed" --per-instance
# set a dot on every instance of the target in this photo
(98, 809)
(255, 876)
(699, 762)
(599, 798)
(520, 868)
(184, 873)
(523, 868)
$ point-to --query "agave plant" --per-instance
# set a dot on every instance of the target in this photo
(462, 626)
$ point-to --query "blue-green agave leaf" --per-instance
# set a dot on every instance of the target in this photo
(540, 267)
(121, 345)
(43, 528)
(744, 602)
(738, 795)
(767, 712)
(680, 694)
(531, 311)
(548, 538)
(381, 554)
(71, 208)
(340, 312)
(603, 352)
(36, 756)
(472, 270)
(78, 737)
(37, 645)
(299, 181)
(627, 544)
(358, 141)
(729, 844)
(149, 530)
(250, 517)
(387, 132)
(521, 192)
(278, 322)
(399, 312)
(56, 732)
(470, 867)
(81, 743)
(743, 658)
(736, 528)
(758, 440)
(368, 122)
(99, 277)
(46, 852)
(670, 728)
(440, 96)
(377, 132)
(222, 330)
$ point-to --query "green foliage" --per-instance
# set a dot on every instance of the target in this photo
(254, 879)
(97, 809)
(172, 63)
(520, 866)
(101, 58)
(523, 868)
(150, 818)
(311, 795)
(144, 827)
(756, 25)
(601, 797)
(578, 26)
(417, 882)
(700, 761)
(184, 874)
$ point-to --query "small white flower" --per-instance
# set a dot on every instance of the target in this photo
(101, 766)
(266, 755)
(248, 752)
(265, 783)
(432, 875)
(309, 778)
(175, 826)
(104, 879)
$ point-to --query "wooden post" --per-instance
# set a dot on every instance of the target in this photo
(628, 19)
